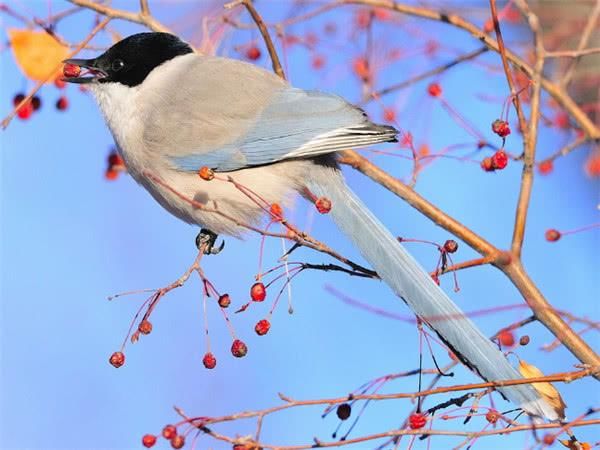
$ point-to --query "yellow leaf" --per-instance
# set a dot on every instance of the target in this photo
(572, 444)
(546, 390)
(37, 53)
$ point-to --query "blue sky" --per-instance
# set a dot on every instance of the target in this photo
(69, 239)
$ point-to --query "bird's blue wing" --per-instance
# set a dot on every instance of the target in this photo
(295, 124)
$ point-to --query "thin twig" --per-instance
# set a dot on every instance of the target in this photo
(437, 70)
(531, 136)
(6, 121)
(143, 19)
(263, 31)
(508, 72)
(583, 41)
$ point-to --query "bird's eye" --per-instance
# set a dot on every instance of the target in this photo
(117, 65)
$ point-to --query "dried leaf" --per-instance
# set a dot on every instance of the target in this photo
(575, 445)
(546, 390)
(37, 53)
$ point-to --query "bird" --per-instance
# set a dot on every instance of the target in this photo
(172, 111)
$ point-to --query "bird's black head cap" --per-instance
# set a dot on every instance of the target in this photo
(131, 60)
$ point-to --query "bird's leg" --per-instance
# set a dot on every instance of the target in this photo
(207, 239)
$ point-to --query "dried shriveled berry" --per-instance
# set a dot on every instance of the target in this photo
(500, 160)
(71, 70)
(206, 173)
(487, 164)
(262, 327)
(239, 349)
(492, 416)
(524, 340)
(145, 327)
(552, 235)
(209, 361)
(344, 411)
(148, 440)
(258, 292)
(323, 205)
(417, 421)
(117, 359)
(451, 246)
(224, 301)
(178, 442)
(169, 432)
(501, 128)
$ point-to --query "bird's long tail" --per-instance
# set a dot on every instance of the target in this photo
(413, 284)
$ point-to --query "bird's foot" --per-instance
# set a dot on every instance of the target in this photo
(206, 240)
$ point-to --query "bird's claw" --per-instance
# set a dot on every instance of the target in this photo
(206, 240)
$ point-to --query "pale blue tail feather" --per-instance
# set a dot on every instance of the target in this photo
(414, 285)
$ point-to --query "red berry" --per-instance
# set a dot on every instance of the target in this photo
(317, 62)
(239, 349)
(360, 66)
(545, 167)
(117, 359)
(253, 53)
(262, 327)
(59, 83)
(169, 432)
(434, 89)
(18, 99)
(258, 292)
(36, 102)
(592, 165)
(71, 70)
(148, 440)
(343, 411)
(506, 338)
(111, 174)
(501, 128)
(62, 103)
(450, 246)
(206, 174)
(548, 439)
(488, 26)
(178, 441)
(417, 421)
(487, 164)
(492, 416)
(209, 361)
(25, 111)
(389, 115)
(115, 160)
(276, 210)
(382, 13)
(323, 205)
(552, 235)
(500, 160)
(145, 327)
(561, 120)
(224, 301)
(363, 18)
(240, 447)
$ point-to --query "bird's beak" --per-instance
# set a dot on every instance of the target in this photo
(90, 72)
